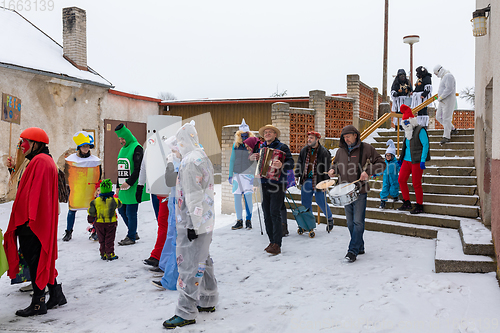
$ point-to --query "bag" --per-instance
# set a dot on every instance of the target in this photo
(63, 187)
(304, 217)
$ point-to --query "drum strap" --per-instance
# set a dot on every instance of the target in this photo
(360, 168)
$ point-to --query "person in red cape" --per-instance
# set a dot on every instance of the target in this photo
(33, 221)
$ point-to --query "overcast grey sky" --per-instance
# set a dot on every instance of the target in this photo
(230, 48)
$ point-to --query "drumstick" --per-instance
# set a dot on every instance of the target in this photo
(351, 183)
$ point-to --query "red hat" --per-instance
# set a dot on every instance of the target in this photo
(35, 134)
(406, 111)
(314, 133)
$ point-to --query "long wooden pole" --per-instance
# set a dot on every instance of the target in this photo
(10, 139)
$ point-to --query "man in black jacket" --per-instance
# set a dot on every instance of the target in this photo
(273, 191)
(312, 168)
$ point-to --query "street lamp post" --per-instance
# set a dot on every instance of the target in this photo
(412, 39)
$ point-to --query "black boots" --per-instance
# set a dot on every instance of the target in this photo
(406, 205)
(248, 224)
(67, 235)
(329, 225)
(238, 225)
(56, 296)
(418, 209)
(37, 307)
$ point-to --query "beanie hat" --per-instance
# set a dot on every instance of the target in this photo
(251, 142)
(106, 186)
(391, 149)
(406, 111)
(244, 127)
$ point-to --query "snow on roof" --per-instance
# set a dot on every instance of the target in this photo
(26, 47)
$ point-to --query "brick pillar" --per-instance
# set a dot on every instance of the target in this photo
(280, 117)
(353, 92)
(375, 104)
(227, 146)
(317, 101)
(75, 36)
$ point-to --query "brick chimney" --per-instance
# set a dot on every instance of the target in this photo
(75, 37)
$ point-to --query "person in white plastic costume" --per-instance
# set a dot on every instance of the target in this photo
(447, 100)
(195, 213)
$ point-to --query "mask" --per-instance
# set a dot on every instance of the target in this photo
(244, 136)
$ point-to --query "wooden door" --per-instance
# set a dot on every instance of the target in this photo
(112, 145)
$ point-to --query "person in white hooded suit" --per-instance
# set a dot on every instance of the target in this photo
(447, 100)
(195, 214)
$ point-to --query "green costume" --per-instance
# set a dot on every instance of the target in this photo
(4, 265)
(126, 167)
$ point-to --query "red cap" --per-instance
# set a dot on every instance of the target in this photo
(35, 134)
(406, 111)
(314, 133)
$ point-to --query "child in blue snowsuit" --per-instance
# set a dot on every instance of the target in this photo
(391, 173)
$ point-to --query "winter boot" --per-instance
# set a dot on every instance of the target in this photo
(284, 227)
(126, 241)
(418, 209)
(382, 205)
(268, 247)
(37, 307)
(274, 250)
(248, 224)
(56, 296)
(177, 321)
(329, 225)
(396, 199)
(151, 262)
(406, 205)
(67, 235)
(454, 131)
(238, 225)
(443, 141)
(350, 257)
(112, 256)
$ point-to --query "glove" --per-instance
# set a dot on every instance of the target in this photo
(422, 165)
(230, 180)
(170, 175)
(192, 234)
(90, 219)
(138, 193)
(400, 162)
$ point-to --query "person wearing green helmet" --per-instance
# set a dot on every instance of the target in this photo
(129, 167)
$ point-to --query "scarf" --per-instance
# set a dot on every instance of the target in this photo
(311, 162)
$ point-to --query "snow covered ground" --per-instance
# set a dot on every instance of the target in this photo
(308, 288)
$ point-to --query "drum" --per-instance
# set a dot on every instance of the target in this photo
(323, 185)
(266, 158)
(343, 194)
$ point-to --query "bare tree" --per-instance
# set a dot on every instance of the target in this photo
(469, 94)
(165, 95)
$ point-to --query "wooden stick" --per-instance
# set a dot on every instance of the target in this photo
(351, 183)
(10, 139)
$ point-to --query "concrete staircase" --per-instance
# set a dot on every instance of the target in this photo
(451, 206)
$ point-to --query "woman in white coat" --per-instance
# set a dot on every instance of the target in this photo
(447, 100)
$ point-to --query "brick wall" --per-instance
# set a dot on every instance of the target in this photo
(461, 119)
(301, 122)
(339, 113)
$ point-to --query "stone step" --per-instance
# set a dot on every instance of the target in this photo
(440, 152)
(451, 258)
(450, 171)
(432, 208)
(454, 138)
(431, 179)
(450, 162)
(476, 238)
(434, 145)
(438, 188)
(396, 216)
(468, 200)
(392, 227)
(431, 132)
